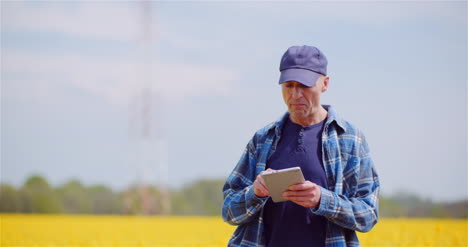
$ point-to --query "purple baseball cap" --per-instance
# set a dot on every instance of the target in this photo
(303, 64)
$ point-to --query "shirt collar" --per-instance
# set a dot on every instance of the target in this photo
(332, 117)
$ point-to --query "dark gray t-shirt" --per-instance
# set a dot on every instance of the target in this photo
(286, 223)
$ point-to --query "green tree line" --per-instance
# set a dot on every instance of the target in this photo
(202, 197)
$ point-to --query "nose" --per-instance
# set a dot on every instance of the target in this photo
(296, 92)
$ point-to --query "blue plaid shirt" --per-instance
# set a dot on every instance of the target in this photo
(350, 203)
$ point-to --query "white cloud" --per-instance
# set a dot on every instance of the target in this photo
(122, 21)
(99, 20)
(116, 80)
(127, 20)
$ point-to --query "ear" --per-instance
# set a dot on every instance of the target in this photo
(325, 84)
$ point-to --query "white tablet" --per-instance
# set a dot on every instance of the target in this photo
(278, 181)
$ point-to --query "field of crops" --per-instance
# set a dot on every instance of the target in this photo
(158, 231)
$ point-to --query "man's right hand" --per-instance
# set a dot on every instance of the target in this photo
(260, 188)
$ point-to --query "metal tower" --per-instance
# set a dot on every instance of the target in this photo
(146, 126)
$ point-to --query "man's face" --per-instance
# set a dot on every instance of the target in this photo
(302, 101)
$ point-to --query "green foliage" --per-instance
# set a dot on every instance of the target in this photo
(104, 200)
(10, 200)
(180, 204)
(391, 208)
(142, 199)
(38, 197)
(74, 197)
(202, 197)
(404, 204)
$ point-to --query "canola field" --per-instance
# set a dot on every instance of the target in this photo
(18, 230)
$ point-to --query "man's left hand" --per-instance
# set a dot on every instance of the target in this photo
(306, 194)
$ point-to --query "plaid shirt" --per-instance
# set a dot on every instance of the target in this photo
(350, 203)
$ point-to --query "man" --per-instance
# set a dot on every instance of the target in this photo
(340, 194)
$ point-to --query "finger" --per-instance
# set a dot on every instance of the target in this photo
(261, 181)
(307, 185)
(263, 172)
(260, 178)
(309, 193)
(261, 185)
(261, 188)
(298, 199)
(267, 170)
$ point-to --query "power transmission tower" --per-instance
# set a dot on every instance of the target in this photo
(146, 122)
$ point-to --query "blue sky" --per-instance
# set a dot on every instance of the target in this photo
(74, 77)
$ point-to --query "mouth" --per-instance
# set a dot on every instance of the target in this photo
(297, 105)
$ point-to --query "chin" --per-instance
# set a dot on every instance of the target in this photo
(298, 114)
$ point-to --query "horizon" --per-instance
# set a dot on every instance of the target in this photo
(396, 194)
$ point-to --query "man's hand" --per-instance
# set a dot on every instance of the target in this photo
(260, 188)
(306, 194)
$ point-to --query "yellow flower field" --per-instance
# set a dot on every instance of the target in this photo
(159, 231)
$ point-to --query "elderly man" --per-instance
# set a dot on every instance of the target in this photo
(340, 194)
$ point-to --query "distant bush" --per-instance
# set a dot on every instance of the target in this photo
(202, 197)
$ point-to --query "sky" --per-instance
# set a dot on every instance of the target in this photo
(119, 93)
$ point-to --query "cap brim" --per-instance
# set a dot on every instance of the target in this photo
(303, 76)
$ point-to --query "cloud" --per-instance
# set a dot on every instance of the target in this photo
(98, 20)
(115, 79)
(108, 21)
(127, 20)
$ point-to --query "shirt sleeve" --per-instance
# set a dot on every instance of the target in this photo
(241, 205)
(359, 211)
